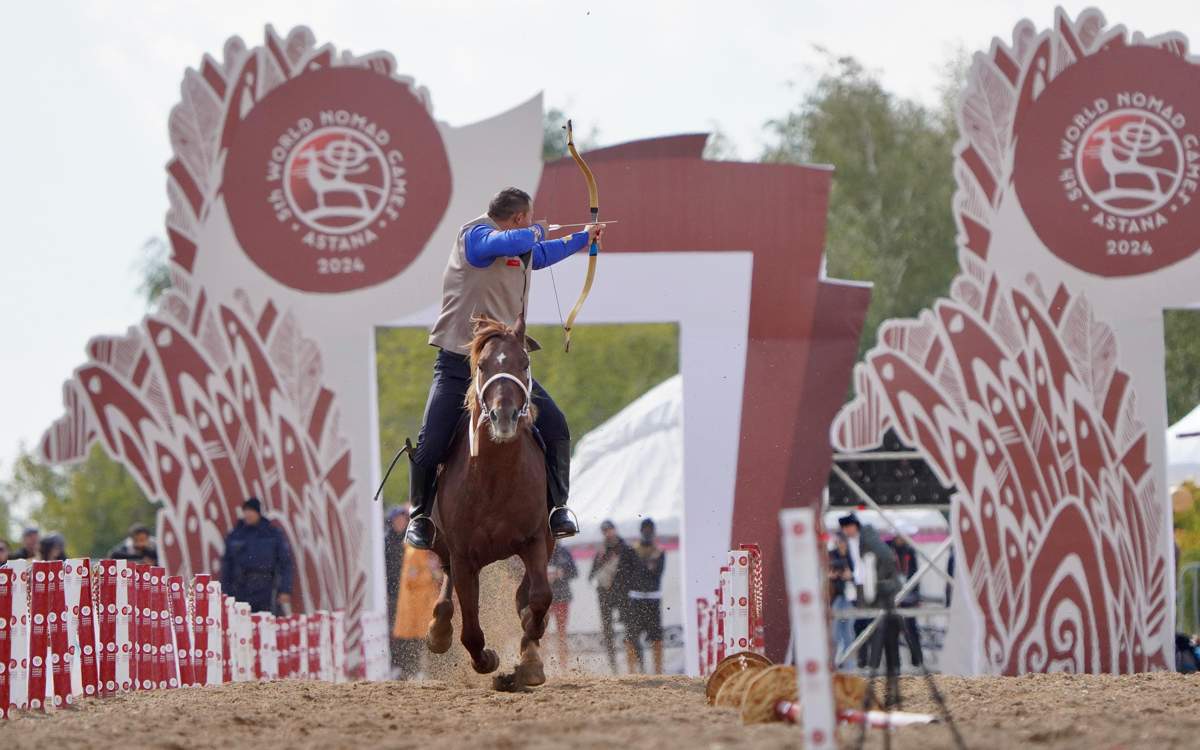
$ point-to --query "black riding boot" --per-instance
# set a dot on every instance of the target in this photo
(558, 482)
(420, 494)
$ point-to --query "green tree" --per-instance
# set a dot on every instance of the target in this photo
(554, 136)
(720, 147)
(890, 218)
(153, 267)
(1181, 334)
(92, 504)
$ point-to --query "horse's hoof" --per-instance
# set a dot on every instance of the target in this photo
(439, 642)
(531, 674)
(488, 662)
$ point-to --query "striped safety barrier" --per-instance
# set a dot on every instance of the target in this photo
(73, 629)
(733, 621)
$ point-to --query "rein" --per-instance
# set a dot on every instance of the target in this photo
(475, 423)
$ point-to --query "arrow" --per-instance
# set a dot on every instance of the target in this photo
(556, 227)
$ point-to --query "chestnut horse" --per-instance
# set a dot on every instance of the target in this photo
(491, 501)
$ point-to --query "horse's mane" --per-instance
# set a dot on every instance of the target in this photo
(485, 329)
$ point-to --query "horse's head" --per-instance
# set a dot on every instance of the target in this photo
(500, 377)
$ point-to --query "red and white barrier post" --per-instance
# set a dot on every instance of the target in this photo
(14, 636)
(178, 612)
(803, 568)
(81, 627)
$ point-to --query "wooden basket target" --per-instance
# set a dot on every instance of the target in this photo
(728, 667)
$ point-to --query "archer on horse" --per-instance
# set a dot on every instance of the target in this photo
(488, 273)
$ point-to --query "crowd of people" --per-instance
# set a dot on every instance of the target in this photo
(894, 561)
(256, 567)
(34, 546)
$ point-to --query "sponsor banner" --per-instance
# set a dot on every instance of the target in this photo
(335, 180)
(1107, 165)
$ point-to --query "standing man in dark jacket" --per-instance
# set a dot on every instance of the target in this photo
(906, 558)
(257, 565)
(611, 570)
(30, 538)
(645, 601)
(138, 548)
(562, 570)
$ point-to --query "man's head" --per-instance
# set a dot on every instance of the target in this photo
(850, 525)
(648, 530)
(398, 519)
(139, 535)
(610, 532)
(252, 511)
(511, 208)
(29, 540)
(51, 547)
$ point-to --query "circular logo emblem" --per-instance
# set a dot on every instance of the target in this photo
(335, 180)
(1107, 164)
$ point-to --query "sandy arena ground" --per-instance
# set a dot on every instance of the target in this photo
(582, 711)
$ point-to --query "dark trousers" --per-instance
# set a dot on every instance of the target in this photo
(607, 605)
(885, 643)
(865, 650)
(451, 378)
(913, 638)
(645, 616)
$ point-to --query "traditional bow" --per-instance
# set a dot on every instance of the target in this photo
(594, 206)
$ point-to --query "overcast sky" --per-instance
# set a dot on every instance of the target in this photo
(87, 87)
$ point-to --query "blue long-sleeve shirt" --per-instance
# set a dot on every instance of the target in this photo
(484, 245)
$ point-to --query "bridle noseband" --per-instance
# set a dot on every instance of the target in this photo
(481, 388)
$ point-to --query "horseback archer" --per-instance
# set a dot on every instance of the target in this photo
(488, 273)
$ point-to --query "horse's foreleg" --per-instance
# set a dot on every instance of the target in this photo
(441, 630)
(533, 616)
(523, 595)
(466, 585)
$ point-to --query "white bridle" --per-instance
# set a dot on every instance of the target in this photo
(480, 388)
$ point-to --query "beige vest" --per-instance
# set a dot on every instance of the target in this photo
(497, 291)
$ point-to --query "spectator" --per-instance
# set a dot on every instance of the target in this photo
(562, 571)
(29, 545)
(138, 548)
(393, 561)
(949, 576)
(610, 571)
(863, 540)
(419, 588)
(3, 551)
(257, 565)
(52, 547)
(842, 592)
(645, 601)
(906, 560)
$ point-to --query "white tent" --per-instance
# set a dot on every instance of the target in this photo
(625, 470)
(631, 467)
(1183, 449)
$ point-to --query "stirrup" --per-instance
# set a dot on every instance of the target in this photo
(574, 520)
(432, 538)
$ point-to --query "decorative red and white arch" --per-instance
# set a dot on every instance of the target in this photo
(314, 197)
(1036, 387)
